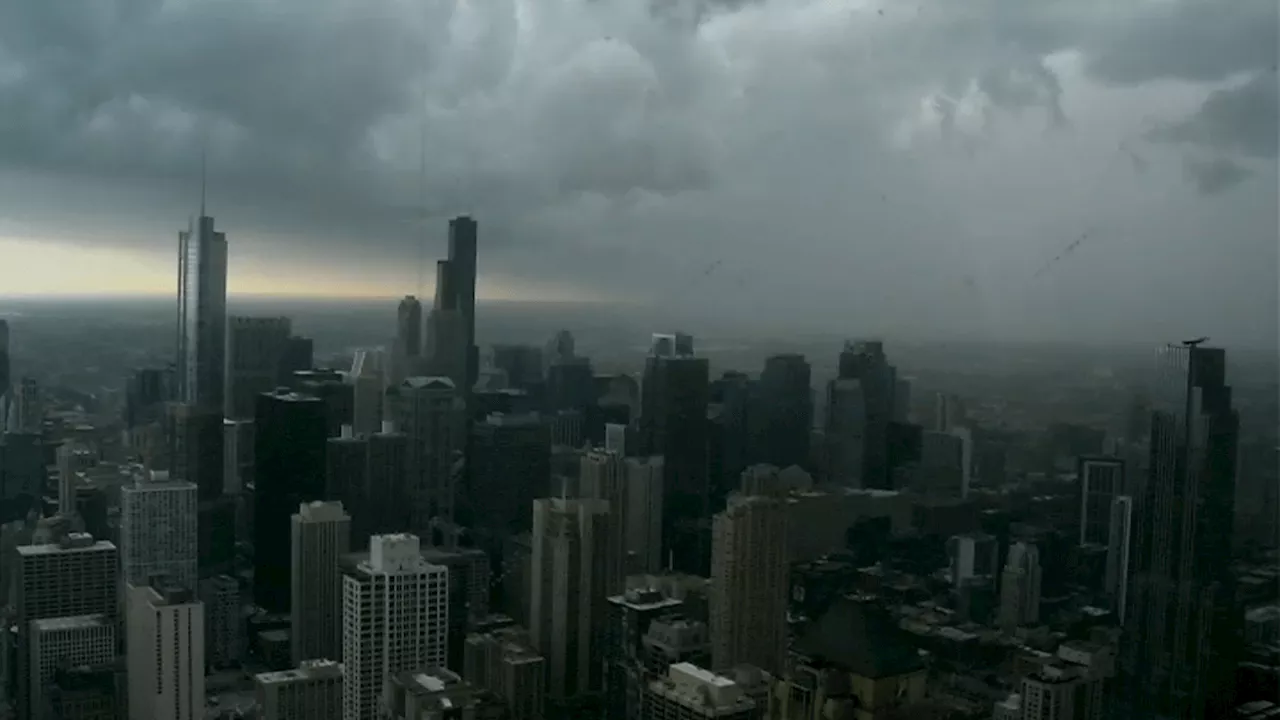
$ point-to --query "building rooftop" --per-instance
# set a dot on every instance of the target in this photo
(74, 542)
(645, 599)
(308, 670)
(73, 622)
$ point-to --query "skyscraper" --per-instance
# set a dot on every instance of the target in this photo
(255, 346)
(394, 615)
(75, 576)
(462, 263)
(750, 583)
(446, 351)
(1020, 587)
(1101, 482)
(289, 451)
(573, 562)
(5, 378)
(158, 530)
(321, 533)
(430, 411)
(367, 473)
(202, 315)
(409, 330)
(29, 404)
(1177, 654)
(673, 423)
(865, 362)
(1120, 534)
(165, 652)
(510, 465)
(368, 378)
(788, 414)
(643, 519)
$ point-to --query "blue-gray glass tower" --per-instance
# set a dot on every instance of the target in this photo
(202, 315)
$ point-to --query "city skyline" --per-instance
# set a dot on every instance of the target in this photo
(940, 183)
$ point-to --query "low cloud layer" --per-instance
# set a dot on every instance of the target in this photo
(865, 166)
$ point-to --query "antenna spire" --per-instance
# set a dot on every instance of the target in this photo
(204, 174)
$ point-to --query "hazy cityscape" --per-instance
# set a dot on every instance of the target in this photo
(639, 360)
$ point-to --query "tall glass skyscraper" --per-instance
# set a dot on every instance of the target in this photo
(1177, 656)
(202, 315)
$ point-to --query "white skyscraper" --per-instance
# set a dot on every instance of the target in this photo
(1020, 587)
(165, 653)
(394, 618)
(158, 529)
(321, 536)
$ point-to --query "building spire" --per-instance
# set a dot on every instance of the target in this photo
(204, 174)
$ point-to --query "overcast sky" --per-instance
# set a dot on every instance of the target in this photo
(866, 165)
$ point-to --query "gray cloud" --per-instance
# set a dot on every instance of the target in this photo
(1215, 175)
(619, 145)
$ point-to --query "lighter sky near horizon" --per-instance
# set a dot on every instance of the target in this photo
(866, 165)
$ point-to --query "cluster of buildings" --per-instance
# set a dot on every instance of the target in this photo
(434, 534)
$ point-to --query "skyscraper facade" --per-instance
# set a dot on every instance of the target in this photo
(409, 331)
(202, 315)
(1101, 482)
(430, 411)
(321, 533)
(165, 652)
(1177, 655)
(289, 453)
(255, 346)
(158, 534)
(750, 583)
(5, 366)
(1020, 587)
(573, 562)
(462, 264)
(865, 362)
(788, 414)
(673, 423)
(394, 618)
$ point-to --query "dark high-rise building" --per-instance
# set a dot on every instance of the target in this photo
(202, 315)
(787, 414)
(510, 466)
(673, 423)
(1101, 482)
(409, 327)
(366, 473)
(289, 452)
(462, 263)
(731, 444)
(146, 392)
(338, 396)
(865, 362)
(5, 379)
(571, 384)
(255, 346)
(430, 411)
(1177, 656)
(299, 354)
(196, 445)
(521, 363)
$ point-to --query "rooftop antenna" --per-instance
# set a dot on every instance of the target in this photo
(422, 193)
(204, 174)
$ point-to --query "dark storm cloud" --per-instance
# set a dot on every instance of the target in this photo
(1215, 175)
(1242, 120)
(612, 143)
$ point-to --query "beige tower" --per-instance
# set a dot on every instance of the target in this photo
(321, 535)
(749, 583)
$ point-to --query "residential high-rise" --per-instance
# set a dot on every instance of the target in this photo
(1178, 650)
(75, 576)
(202, 315)
(289, 454)
(689, 691)
(1119, 538)
(1020, 587)
(158, 534)
(312, 691)
(321, 533)
(750, 583)
(462, 264)
(165, 652)
(572, 564)
(1061, 692)
(67, 642)
(673, 423)
(394, 611)
(430, 411)
(1101, 481)
(643, 520)
(788, 413)
(255, 346)
(222, 619)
